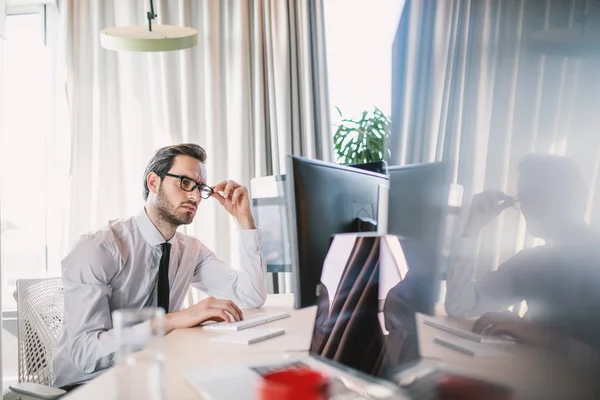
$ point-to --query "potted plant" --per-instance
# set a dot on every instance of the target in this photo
(362, 140)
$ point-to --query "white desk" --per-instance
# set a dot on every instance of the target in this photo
(188, 349)
(191, 348)
(527, 369)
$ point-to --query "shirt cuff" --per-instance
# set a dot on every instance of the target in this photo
(250, 239)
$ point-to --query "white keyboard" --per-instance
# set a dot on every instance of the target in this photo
(249, 322)
(249, 336)
(470, 348)
(467, 334)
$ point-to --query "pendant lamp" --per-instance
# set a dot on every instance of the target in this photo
(148, 38)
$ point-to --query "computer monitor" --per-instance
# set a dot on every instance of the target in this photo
(376, 166)
(418, 209)
(368, 300)
(325, 199)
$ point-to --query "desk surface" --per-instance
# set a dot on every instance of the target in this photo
(187, 349)
(533, 372)
(527, 369)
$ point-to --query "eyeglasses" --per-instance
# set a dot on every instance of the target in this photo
(513, 202)
(189, 185)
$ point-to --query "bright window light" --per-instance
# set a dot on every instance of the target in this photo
(359, 39)
(25, 126)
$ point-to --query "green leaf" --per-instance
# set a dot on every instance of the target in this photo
(362, 140)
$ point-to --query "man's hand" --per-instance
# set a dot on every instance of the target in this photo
(521, 330)
(209, 309)
(234, 198)
(485, 207)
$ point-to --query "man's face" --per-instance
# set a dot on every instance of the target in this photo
(175, 205)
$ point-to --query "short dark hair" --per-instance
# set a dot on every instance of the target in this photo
(164, 157)
(555, 176)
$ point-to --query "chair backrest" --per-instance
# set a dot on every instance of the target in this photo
(40, 307)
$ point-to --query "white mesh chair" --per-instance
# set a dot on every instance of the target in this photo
(40, 307)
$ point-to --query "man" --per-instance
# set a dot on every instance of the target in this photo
(560, 280)
(144, 262)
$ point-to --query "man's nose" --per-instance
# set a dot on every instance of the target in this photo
(194, 196)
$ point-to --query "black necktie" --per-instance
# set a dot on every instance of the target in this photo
(163, 277)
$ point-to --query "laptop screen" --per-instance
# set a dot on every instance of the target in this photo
(363, 320)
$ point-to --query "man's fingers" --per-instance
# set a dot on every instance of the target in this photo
(493, 197)
(231, 186)
(222, 314)
(226, 188)
(230, 307)
(237, 193)
(495, 194)
(219, 186)
(489, 329)
(239, 310)
(232, 310)
(480, 326)
(494, 318)
(491, 202)
(504, 328)
(215, 315)
(236, 308)
(218, 197)
(482, 323)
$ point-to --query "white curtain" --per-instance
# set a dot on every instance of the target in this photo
(468, 89)
(2, 18)
(251, 92)
(2, 24)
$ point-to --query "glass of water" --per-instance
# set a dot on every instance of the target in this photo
(140, 357)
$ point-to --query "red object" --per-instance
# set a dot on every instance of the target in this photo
(294, 384)
(463, 388)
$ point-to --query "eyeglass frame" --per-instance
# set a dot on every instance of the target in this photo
(513, 202)
(198, 185)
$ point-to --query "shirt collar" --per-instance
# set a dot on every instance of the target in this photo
(149, 232)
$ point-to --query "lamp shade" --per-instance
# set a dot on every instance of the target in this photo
(566, 43)
(139, 38)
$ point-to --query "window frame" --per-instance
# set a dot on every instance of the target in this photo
(27, 8)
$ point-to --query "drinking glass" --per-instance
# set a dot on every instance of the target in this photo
(139, 359)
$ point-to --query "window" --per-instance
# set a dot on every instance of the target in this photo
(359, 38)
(25, 126)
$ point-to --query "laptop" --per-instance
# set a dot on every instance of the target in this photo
(364, 337)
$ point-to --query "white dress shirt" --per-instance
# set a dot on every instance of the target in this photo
(117, 267)
(467, 297)
(559, 283)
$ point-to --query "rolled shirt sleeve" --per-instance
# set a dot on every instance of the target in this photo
(87, 272)
(246, 286)
(467, 296)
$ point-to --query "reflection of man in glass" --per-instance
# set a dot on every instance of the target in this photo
(347, 329)
(399, 318)
(415, 292)
(560, 280)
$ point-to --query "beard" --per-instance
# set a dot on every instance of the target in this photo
(169, 212)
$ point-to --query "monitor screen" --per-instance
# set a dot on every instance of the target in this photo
(347, 306)
(324, 199)
(418, 209)
(376, 166)
(366, 301)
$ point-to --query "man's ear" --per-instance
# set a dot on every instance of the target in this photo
(153, 182)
